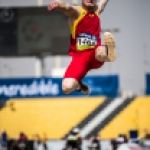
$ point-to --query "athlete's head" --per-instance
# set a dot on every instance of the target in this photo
(75, 131)
(89, 4)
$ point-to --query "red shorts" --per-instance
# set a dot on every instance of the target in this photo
(81, 64)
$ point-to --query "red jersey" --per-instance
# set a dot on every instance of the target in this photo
(85, 32)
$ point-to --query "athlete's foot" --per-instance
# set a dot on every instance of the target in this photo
(83, 88)
(110, 44)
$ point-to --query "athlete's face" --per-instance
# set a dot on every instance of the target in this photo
(89, 3)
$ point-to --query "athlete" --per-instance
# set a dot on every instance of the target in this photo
(74, 140)
(94, 143)
(86, 49)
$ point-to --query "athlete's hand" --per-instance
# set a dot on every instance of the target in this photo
(53, 5)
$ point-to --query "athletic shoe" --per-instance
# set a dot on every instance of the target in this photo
(110, 45)
(83, 88)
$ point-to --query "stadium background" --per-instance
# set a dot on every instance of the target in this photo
(33, 57)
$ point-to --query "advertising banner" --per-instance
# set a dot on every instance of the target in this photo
(51, 87)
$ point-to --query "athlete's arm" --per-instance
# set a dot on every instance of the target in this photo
(101, 5)
(67, 9)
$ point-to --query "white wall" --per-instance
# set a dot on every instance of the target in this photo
(18, 3)
(20, 67)
(15, 3)
(132, 18)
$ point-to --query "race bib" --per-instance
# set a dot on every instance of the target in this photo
(86, 41)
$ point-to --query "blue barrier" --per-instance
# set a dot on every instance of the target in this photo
(148, 84)
(51, 87)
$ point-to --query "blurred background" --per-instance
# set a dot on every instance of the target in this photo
(36, 114)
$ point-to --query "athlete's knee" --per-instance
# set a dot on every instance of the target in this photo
(101, 53)
(68, 85)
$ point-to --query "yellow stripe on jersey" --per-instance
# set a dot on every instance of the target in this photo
(73, 26)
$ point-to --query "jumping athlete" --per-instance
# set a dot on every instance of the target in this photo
(86, 49)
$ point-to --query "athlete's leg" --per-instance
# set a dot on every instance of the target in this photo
(74, 74)
(69, 85)
(106, 53)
